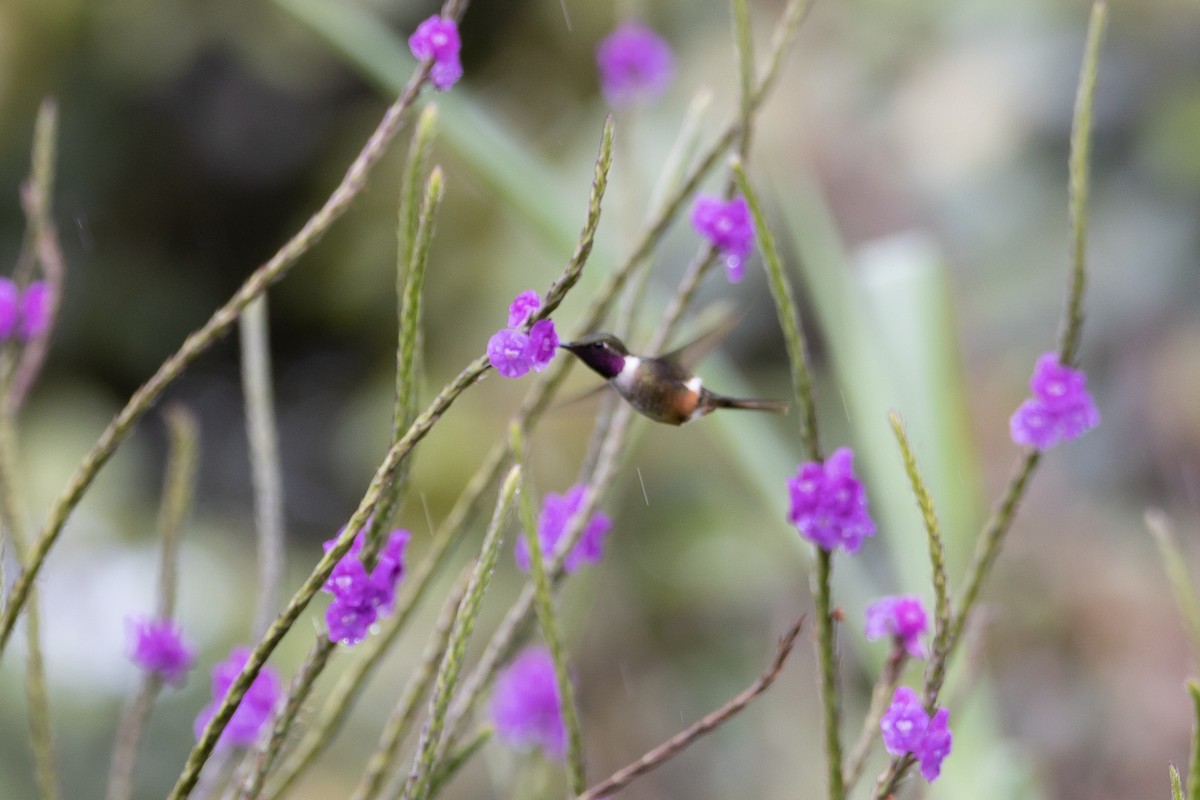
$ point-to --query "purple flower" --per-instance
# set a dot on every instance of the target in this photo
(23, 314)
(437, 38)
(10, 308)
(1061, 408)
(635, 65)
(543, 344)
(523, 305)
(828, 504)
(902, 617)
(508, 351)
(526, 709)
(35, 310)
(514, 352)
(359, 597)
(252, 712)
(907, 728)
(904, 723)
(158, 647)
(349, 622)
(938, 741)
(728, 227)
(557, 511)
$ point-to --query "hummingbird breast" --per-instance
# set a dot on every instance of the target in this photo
(659, 389)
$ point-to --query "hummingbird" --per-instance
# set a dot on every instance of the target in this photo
(659, 387)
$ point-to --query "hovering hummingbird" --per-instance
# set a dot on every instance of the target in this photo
(660, 387)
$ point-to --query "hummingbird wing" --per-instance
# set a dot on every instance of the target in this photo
(690, 354)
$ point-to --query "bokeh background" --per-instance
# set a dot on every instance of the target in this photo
(914, 158)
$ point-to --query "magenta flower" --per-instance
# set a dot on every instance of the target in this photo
(437, 38)
(10, 308)
(938, 741)
(829, 505)
(158, 647)
(557, 511)
(252, 712)
(514, 352)
(906, 728)
(23, 314)
(728, 227)
(35, 310)
(508, 352)
(903, 618)
(360, 597)
(1061, 408)
(526, 708)
(635, 65)
(543, 344)
(522, 308)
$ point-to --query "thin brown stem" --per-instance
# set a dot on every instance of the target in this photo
(677, 743)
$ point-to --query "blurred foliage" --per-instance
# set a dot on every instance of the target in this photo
(196, 137)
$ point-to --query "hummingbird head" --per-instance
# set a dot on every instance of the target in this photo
(603, 352)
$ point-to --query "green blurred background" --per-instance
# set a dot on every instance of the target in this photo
(914, 160)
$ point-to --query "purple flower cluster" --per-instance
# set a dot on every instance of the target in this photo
(727, 226)
(23, 314)
(252, 712)
(1061, 408)
(158, 647)
(908, 729)
(437, 38)
(635, 65)
(526, 708)
(512, 351)
(557, 511)
(358, 597)
(828, 504)
(903, 618)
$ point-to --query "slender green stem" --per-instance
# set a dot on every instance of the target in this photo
(37, 199)
(178, 485)
(1193, 781)
(868, 734)
(265, 469)
(1176, 568)
(1079, 165)
(789, 317)
(549, 624)
(11, 517)
(129, 734)
(935, 674)
(1176, 784)
(405, 712)
(827, 661)
(419, 778)
(462, 755)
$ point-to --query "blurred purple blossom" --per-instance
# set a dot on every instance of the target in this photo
(727, 225)
(1061, 408)
(906, 728)
(526, 708)
(902, 617)
(635, 65)
(158, 647)
(557, 511)
(252, 712)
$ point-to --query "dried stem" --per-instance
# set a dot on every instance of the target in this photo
(676, 744)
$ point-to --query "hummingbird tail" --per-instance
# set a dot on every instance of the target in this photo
(773, 406)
